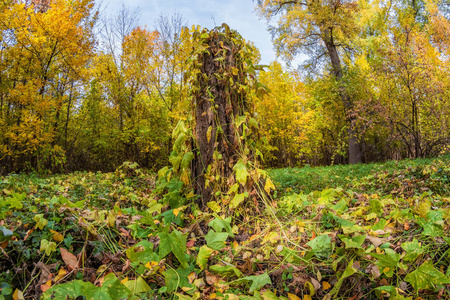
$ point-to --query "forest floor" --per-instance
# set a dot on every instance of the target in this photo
(375, 231)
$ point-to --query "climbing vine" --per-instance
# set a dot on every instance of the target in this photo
(221, 155)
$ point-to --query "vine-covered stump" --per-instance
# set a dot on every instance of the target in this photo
(223, 80)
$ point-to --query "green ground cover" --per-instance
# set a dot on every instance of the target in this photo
(377, 231)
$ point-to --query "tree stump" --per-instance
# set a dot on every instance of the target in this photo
(223, 82)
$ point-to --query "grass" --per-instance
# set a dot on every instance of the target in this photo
(368, 178)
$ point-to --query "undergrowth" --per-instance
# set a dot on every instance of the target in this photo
(378, 231)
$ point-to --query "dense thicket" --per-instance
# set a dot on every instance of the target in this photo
(376, 84)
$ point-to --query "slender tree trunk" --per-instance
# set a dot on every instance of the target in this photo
(354, 147)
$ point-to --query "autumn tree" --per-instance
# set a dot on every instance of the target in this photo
(124, 70)
(282, 115)
(45, 50)
(319, 29)
(414, 76)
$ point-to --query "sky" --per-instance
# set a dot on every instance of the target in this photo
(238, 14)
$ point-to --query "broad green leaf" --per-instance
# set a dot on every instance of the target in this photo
(426, 277)
(241, 172)
(203, 255)
(180, 128)
(237, 199)
(111, 289)
(47, 246)
(327, 196)
(379, 225)
(16, 201)
(340, 207)
(321, 246)
(187, 158)
(413, 250)
(142, 252)
(382, 290)
(154, 206)
(178, 278)
(376, 206)
(348, 226)
(175, 160)
(137, 286)
(387, 262)
(257, 281)
(227, 271)
(175, 243)
(216, 240)
(354, 242)
(431, 229)
(219, 225)
(71, 290)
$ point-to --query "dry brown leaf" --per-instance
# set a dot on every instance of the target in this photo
(374, 240)
(46, 275)
(406, 226)
(190, 243)
(316, 284)
(383, 282)
(124, 233)
(30, 231)
(46, 286)
(210, 278)
(70, 259)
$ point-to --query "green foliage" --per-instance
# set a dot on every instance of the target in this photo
(174, 242)
(426, 277)
(331, 236)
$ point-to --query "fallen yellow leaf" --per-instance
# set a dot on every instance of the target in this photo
(18, 295)
(293, 297)
(123, 281)
(151, 264)
(57, 236)
(191, 277)
(326, 285)
(61, 273)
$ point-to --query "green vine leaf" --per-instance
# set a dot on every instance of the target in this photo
(47, 246)
(237, 199)
(241, 172)
(426, 277)
(216, 240)
(175, 243)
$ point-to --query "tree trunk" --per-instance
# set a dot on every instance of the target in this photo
(354, 147)
(218, 104)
